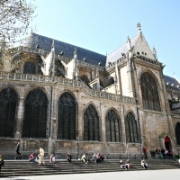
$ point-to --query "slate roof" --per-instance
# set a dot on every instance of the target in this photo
(68, 49)
(91, 57)
(171, 82)
(115, 55)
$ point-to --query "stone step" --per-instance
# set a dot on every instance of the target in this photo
(25, 168)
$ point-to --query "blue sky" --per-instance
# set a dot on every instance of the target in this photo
(103, 25)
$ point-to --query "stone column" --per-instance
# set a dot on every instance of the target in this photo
(20, 117)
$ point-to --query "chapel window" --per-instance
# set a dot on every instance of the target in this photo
(66, 117)
(91, 124)
(35, 118)
(131, 129)
(112, 127)
(150, 95)
(29, 68)
(178, 133)
(8, 105)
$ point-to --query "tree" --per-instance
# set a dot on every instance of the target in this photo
(15, 17)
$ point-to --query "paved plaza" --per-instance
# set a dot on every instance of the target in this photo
(173, 174)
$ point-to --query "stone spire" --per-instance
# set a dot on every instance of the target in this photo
(139, 29)
(139, 26)
(129, 43)
(75, 65)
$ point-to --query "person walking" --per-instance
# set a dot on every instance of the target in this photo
(18, 154)
(144, 150)
(41, 156)
(1, 162)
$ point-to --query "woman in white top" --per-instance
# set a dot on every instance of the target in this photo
(41, 156)
(144, 164)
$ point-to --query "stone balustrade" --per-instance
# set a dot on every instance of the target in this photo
(66, 82)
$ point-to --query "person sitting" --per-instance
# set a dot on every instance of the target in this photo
(98, 160)
(128, 164)
(144, 164)
(52, 158)
(69, 157)
(1, 162)
(101, 157)
(84, 158)
(166, 154)
(123, 165)
(32, 157)
(94, 157)
(170, 154)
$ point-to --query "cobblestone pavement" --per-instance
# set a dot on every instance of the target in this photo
(168, 174)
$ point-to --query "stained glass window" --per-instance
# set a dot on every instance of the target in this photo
(35, 119)
(131, 128)
(91, 124)
(149, 92)
(29, 68)
(8, 105)
(67, 117)
(112, 127)
(178, 133)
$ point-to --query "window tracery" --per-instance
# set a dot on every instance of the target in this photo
(91, 124)
(149, 91)
(35, 118)
(67, 117)
(131, 129)
(29, 68)
(8, 104)
(112, 127)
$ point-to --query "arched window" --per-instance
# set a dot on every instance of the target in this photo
(35, 117)
(29, 68)
(131, 128)
(178, 133)
(149, 91)
(91, 124)
(8, 104)
(112, 127)
(67, 117)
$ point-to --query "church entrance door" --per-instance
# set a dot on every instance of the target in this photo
(167, 142)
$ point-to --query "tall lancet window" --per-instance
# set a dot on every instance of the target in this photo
(178, 133)
(112, 127)
(91, 124)
(8, 104)
(35, 118)
(66, 117)
(131, 129)
(149, 91)
(29, 68)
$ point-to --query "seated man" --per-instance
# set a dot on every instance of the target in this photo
(52, 158)
(69, 157)
(84, 158)
(98, 160)
(128, 164)
(32, 157)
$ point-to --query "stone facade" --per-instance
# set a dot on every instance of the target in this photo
(116, 86)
